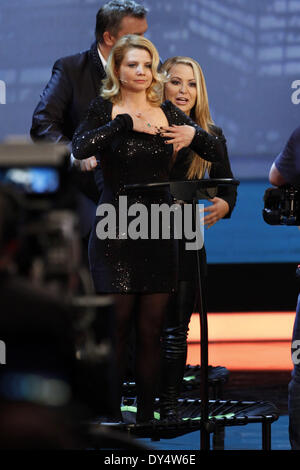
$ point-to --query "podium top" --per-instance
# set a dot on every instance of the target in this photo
(205, 188)
(203, 183)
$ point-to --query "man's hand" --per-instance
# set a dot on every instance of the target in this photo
(216, 211)
(88, 164)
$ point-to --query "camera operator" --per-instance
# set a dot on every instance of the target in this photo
(286, 170)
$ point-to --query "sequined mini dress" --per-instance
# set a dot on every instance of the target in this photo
(127, 253)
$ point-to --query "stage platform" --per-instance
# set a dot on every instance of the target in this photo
(255, 348)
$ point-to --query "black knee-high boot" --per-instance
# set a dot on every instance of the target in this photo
(174, 348)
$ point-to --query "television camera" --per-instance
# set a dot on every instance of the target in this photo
(38, 178)
(282, 205)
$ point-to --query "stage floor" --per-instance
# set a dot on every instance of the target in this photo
(244, 385)
(255, 348)
(236, 438)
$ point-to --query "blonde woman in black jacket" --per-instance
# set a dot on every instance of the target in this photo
(186, 89)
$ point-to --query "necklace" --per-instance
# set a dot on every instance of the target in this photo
(141, 117)
(148, 124)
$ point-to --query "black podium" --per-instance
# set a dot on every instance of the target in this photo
(214, 414)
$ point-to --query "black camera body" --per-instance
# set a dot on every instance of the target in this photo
(38, 177)
(39, 173)
(282, 206)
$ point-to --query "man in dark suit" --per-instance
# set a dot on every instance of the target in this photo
(75, 82)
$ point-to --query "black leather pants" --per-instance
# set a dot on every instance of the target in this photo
(174, 340)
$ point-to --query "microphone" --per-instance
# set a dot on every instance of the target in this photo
(123, 81)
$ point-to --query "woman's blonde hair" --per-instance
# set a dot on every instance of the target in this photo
(200, 112)
(111, 88)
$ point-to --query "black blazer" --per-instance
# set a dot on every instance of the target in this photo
(74, 83)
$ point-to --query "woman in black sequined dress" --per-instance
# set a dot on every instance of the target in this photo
(123, 129)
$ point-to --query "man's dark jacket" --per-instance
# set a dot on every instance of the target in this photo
(75, 82)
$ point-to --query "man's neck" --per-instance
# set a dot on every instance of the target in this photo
(105, 51)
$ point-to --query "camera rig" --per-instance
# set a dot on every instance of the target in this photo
(38, 178)
(282, 205)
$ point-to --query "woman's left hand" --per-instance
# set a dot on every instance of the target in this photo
(179, 136)
(216, 211)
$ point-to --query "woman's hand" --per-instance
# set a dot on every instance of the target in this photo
(216, 211)
(140, 124)
(179, 136)
(88, 164)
